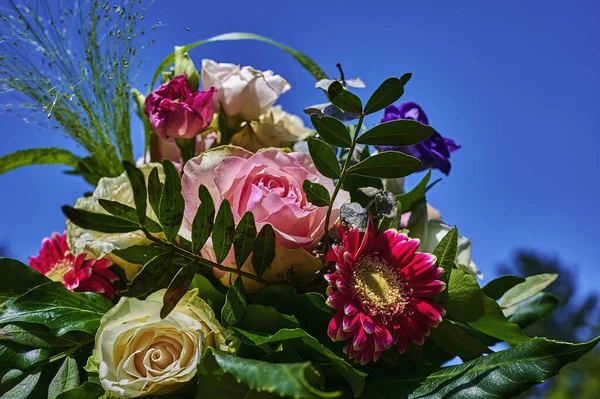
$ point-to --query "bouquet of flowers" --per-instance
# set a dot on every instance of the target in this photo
(246, 254)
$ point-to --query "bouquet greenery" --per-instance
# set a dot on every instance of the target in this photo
(245, 254)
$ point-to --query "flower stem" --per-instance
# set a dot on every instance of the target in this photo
(340, 181)
(201, 261)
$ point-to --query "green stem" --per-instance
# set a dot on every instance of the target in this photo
(201, 260)
(340, 181)
(187, 147)
(70, 351)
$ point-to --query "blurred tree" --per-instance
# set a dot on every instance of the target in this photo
(576, 319)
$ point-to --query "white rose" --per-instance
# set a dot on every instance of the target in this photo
(137, 353)
(242, 92)
(102, 244)
(275, 128)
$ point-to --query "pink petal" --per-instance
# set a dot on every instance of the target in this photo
(427, 288)
(336, 300)
(431, 311)
(334, 325)
(351, 322)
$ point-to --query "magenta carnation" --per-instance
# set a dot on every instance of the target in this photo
(77, 273)
(382, 292)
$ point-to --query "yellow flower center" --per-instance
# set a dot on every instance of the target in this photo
(58, 270)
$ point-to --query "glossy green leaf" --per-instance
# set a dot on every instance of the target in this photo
(316, 194)
(457, 341)
(305, 61)
(126, 212)
(15, 356)
(34, 336)
(184, 65)
(263, 251)
(324, 158)
(139, 254)
(265, 319)
(502, 374)
(332, 131)
(498, 287)
(140, 193)
(223, 231)
(531, 286)
(297, 380)
(98, 222)
(402, 132)
(385, 165)
(155, 188)
(235, 303)
(202, 225)
(445, 252)
(18, 279)
(243, 238)
(416, 194)
(156, 274)
(178, 288)
(533, 309)
(344, 99)
(171, 206)
(37, 156)
(66, 378)
(207, 291)
(24, 388)
(87, 390)
(387, 93)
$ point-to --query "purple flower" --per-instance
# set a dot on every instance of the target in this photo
(433, 152)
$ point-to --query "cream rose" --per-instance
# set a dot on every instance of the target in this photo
(102, 244)
(245, 92)
(137, 353)
(275, 128)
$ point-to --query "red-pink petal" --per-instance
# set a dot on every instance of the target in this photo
(427, 288)
(431, 312)
(336, 300)
(334, 325)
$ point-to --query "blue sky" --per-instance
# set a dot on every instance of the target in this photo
(515, 83)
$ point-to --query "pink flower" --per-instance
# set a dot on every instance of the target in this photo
(77, 273)
(382, 292)
(167, 148)
(268, 184)
(175, 112)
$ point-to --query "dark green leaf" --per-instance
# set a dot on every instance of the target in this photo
(416, 194)
(138, 185)
(266, 319)
(328, 109)
(324, 158)
(34, 336)
(170, 209)
(263, 249)
(332, 131)
(503, 374)
(18, 279)
(99, 222)
(401, 132)
(156, 274)
(128, 213)
(24, 388)
(243, 238)
(235, 303)
(445, 252)
(223, 231)
(387, 93)
(14, 356)
(87, 390)
(343, 99)
(388, 164)
(457, 341)
(65, 379)
(497, 287)
(534, 309)
(202, 225)
(207, 291)
(353, 214)
(139, 254)
(316, 194)
(178, 288)
(155, 188)
(37, 156)
(57, 308)
(531, 286)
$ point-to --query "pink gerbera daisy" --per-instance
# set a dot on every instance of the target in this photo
(77, 273)
(382, 292)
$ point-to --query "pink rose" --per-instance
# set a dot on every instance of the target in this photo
(167, 148)
(175, 112)
(268, 184)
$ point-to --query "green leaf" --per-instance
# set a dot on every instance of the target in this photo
(402, 132)
(140, 194)
(306, 62)
(170, 209)
(243, 238)
(266, 319)
(445, 252)
(156, 274)
(183, 64)
(98, 222)
(297, 380)
(65, 379)
(14, 356)
(534, 309)
(235, 303)
(263, 251)
(498, 287)
(502, 374)
(332, 131)
(324, 158)
(416, 194)
(139, 254)
(316, 194)
(457, 341)
(344, 99)
(24, 388)
(18, 279)
(387, 93)
(223, 231)
(178, 288)
(202, 225)
(37, 156)
(59, 309)
(34, 336)
(207, 291)
(155, 188)
(386, 165)
(128, 213)
(87, 390)
(531, 286)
